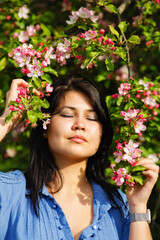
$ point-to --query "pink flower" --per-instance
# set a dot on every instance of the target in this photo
(73, 18)
(30, 30)
(102, 31)
(8, 17)
(131, 144)
(90, 34)
(37, 27)
(118, 155)
(123, 89)
(83, 13)
(23, 37)
(48, 88)
(44, 63)
(18, 100)
(139, 126)
(20, 106)
(35, 71)
(131, 114)
(45, 123)
(49, 55)
(119, 176)
(149, 101)
(109, 41)
(119, 146)
(11, 107)
(22, 91)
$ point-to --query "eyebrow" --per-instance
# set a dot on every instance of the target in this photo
(73, 108)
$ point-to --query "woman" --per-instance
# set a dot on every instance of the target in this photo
(64, 194)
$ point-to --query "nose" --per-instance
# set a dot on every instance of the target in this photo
(79, 124)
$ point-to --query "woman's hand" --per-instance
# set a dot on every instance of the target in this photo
(12, 94)
(138, 195)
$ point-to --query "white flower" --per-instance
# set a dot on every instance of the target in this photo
(23, 11)
(73, 18)
(11, 152)
(154, 157)
(23, 37)
(149, 101)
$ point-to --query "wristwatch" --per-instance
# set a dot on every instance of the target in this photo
(134, 217)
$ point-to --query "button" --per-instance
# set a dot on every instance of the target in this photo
(93, 235)
(82, 237)
(63, 220)
(54, 206)
(94, 227)
(99, 228)
(60, 227)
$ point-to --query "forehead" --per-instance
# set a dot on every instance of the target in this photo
(76, 99)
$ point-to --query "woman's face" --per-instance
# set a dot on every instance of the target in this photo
(74, 132)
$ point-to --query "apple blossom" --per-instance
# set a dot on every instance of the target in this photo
(23, 12)
(90, 34)
(139, 126)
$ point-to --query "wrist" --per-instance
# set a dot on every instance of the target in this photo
(141, 217)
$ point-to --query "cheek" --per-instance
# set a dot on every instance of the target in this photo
(96, 134)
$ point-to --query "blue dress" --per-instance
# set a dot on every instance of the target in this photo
(18, 220)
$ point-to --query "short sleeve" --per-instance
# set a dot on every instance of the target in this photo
(11, 187)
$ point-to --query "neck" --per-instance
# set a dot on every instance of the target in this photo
(73, 176)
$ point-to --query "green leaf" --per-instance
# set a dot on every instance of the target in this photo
(45, 30)
(121, 52)
(90, 58)
(112, 8)
(109, 64)
(38, 113)
(45, 103)
(32, 117)
(47, 78)
(139, 179)
(2, 63)
(123, 26)
(114, 31)
(37, 82)
(109, 100)
(50, 70)
(10, 116)
(108, 172)
(119, 101)
(134, 39)
(138, 168)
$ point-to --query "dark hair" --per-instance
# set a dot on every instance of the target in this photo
(42, 167)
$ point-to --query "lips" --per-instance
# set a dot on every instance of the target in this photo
(78, 139)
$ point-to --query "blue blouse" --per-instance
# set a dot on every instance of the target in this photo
(18, 220)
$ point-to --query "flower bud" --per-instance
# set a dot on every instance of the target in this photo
(11, 107)
(102, 31)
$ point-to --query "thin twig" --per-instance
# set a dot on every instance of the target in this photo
(127, 48)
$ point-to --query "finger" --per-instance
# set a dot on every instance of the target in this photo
(151, 176)
(20, 81)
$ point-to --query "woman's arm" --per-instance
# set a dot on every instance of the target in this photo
(12, 94)
(138, 197)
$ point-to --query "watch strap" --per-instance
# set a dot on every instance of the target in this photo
(134, 217)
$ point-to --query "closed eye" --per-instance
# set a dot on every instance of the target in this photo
(65, 115)
(92, 119)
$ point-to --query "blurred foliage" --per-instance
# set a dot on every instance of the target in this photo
(140, 18)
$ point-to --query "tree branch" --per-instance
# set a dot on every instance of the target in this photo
(121, 8)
